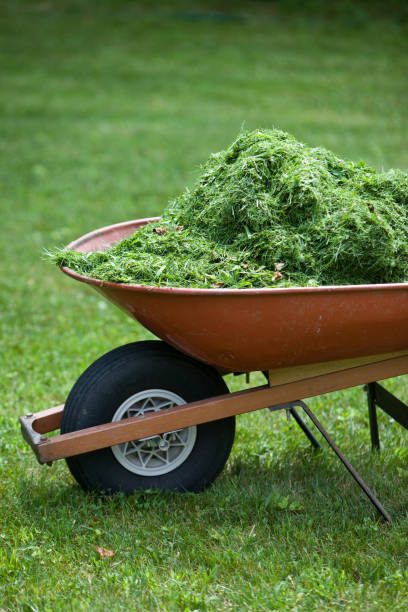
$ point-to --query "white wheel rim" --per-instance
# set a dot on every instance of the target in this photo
(155, 455)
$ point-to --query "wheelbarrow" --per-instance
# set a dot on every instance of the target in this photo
(158, 414)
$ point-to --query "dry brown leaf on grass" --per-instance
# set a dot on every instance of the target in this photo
(104, 552)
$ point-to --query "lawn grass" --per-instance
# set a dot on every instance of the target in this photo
(108, 108)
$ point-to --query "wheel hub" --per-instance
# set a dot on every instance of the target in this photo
(155, 455)
(164, 445)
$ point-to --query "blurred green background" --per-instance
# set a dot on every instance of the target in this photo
(107, 110)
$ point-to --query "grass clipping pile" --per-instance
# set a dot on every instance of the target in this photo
(268, 211)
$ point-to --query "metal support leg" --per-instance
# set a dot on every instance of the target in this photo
(315, 443)
(290, 408)
(345, 462)
(372, 416)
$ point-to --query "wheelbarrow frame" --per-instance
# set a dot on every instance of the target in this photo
(284, 389)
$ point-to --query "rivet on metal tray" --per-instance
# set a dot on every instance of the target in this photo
(29, 415)
(43, 438)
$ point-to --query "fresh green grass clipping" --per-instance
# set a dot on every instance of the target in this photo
(266, 212)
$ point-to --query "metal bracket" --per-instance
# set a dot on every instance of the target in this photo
(292, 412)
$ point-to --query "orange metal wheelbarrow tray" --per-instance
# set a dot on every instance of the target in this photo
(158, 414)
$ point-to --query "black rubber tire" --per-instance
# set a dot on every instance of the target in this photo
(119, 374)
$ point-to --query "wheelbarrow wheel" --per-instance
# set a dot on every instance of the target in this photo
(133, 380)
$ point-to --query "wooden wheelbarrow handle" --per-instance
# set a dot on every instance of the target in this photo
(310, 384)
